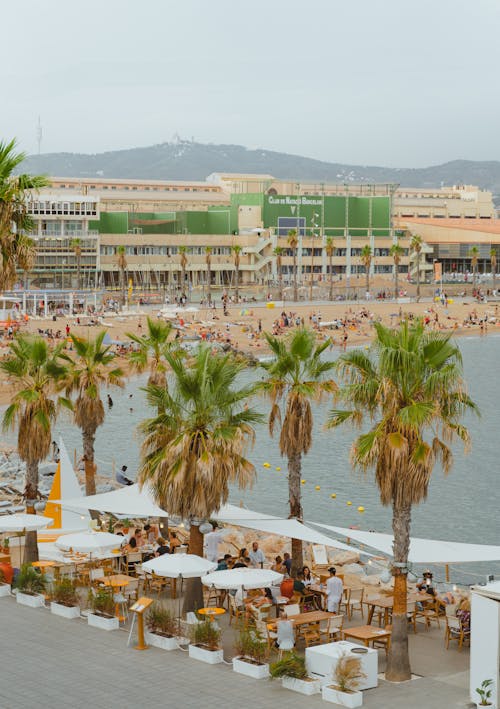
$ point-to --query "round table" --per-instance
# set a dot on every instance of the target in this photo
(211, 612)
(42, 565)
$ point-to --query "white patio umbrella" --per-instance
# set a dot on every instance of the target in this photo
(174, 566)
(89, 541)
(23, 523)
(242, 578)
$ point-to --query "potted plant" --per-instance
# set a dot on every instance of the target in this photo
(102, 610)
(292, 671)
(205, 642)
(484, 692)
(4, 586)
(65, 601)
(30, 585)
(6, 545)
(346, 675)
(125, 523)
(251, 651)
(162, 627)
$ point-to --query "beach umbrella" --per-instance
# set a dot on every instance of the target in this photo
(242, 578)
(89, 541)
(23, 523)
(174, 566)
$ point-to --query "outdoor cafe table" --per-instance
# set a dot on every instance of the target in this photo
(117, 581)
(304, 619)
(211, 611)
(386, 604)
(366, 634)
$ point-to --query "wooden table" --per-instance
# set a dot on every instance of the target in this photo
(366, 634)
(304, 619)
(117, 581)
(42, 565)
(211, 611)
(386, 604)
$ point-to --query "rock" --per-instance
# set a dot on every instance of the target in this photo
(344, 557)
(353, 569)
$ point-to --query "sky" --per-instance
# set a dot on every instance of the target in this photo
(367, 82)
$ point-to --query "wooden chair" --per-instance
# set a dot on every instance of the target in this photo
(211, 597)
(311, 634)
(234, 611)
(353, 601)
(96, 576)
(384, 643)
(131, 560)
(455, 631)
(411, 615)
(156, 583)
(307, 602)
(429, 613)
(332, 627)
(291, 609)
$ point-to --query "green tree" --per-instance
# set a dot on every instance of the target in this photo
(76, 245)
(87, 371)
(208, 261)
(236, 249)
(474, 260)
(493, 259)
(152, 347)
(183, 264)
(278, 252)
(121, 261)
(410, 389)
(195, 448)
(17, 250)
(366, 260)
(293, 241)
(416, 245)
(296, 376)
(34, 369)
(330, 251)
(397, 253)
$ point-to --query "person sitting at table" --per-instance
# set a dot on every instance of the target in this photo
(174, 542)
(278, 565)
(151, 533)
(241, 563)
(136, 540)
(307, 578)
(162, 548)
(223, 564)
(426, 584)
(334, 590)
(463, 613)
(287, 562)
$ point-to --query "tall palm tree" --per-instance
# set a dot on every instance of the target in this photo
(493, 259)
(411, 391)
(195, 448)
(34, 369)
(121, 261)
(151, 350)
(474, 260)
(87, 370)
(236, 249)
(278, 252)
(330, 251)
(183, 262)
(76, 245)
(416, 245)
(396, 251)
(296, 376)
(208, 261)
(17, 250)
(292, 240)
(366, 260)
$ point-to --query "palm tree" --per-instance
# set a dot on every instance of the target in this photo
(474, 260)
(410, 389)
(34, 370)
(195, 448)
(151, 350)
(76, 245)
(16, 248)
(493, 259)
(416, 244)
(366, 260)
(86, 372)
(396, 251)
(330, 251)
(278, 252)
(236, 249)
(296, 376)
(208, 261)
(183, 262)
(293, 241)
(121, 261)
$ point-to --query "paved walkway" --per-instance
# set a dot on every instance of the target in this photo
(51, 662)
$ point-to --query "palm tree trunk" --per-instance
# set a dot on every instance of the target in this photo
(295, 290)
(31, 496)
(183, 279)
(398, 661)
(331, 277)
(418, 277)
(396, 278)
(367, 278)
(237, 283)
(209, 283)
(294, 492)
(79, 272)
(88, 438)
(122, 284)
(193, 596)
(280, 281)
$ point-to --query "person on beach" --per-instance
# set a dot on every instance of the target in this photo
(334, 590)
(121, 478)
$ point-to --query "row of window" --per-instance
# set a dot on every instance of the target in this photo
(142, 188)
(63, 208)
(379, 268)
(165, 250)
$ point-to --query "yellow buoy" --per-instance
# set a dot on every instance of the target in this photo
(303, 482)
(267, 465)
(333, 495)
(361, 508)
(349, 503)
(318, 487)
(278, 468)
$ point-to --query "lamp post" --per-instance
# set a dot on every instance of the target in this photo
(313, 226)
(63, 264)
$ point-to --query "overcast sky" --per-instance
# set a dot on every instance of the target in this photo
(385, 82)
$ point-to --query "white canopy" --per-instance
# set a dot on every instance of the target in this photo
(23, 523)
(422, 551)
(175, 566)
(130, 501)
(89, 541)
(242, 578)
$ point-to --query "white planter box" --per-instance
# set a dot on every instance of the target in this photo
(99, 621)
(25, 599)
(65, 611)
(211, 657)
(302, 686)
(249, 669)
(160, 641)
(4, 590)
(345, 699)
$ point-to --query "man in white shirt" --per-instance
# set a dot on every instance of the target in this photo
(257, 557)
(334, 590)
(211, 543)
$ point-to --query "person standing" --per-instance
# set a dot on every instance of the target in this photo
(257, 556)
(211, 543)
(334, 590)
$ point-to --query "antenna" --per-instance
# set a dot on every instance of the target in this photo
(39, 135)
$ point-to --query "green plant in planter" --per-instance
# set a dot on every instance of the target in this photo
(2, 577)
(162, 621)
(206, 634)
(64, 592)
(6, 544)
(291, 665)
(484, 692)
(250, 645)
(102, 602)
(347, 673)
(30, 581)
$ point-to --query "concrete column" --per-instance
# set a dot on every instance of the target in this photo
(348, 256)
(45, 305)
(24, 302)
(71, 300)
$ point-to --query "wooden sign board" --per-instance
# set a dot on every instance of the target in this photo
(141, 605)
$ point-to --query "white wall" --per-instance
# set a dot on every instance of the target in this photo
(485, 645)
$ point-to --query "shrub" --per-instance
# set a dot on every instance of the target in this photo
(206, 634)
(64, 592)
(102, 602)
(292, 665)
(347, 673)
(162, 621)
(250, 645)
(30, 581)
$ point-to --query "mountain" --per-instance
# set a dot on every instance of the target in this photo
(185, 160)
